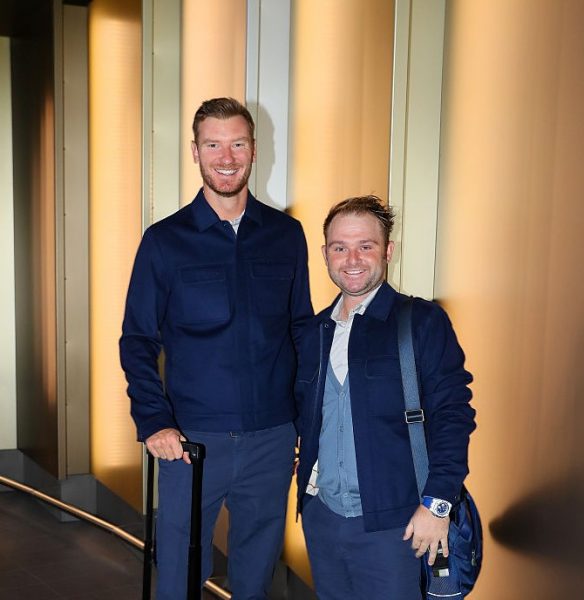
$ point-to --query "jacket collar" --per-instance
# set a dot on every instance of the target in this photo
(382, 304)
(379, 308)
(205, 217)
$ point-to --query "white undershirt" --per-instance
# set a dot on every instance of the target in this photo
(235, 223)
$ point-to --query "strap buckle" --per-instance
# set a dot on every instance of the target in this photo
(414, 416)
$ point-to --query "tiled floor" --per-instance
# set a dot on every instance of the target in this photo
(42, 558)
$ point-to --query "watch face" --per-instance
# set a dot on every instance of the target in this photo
(437, 506)
(442, 508)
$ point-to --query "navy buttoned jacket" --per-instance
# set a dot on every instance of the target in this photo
(226, 310)
(385, 470)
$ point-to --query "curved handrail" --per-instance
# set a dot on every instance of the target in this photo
(86, 516)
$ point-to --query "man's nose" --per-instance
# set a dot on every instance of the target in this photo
(353, 256)
(227, 155)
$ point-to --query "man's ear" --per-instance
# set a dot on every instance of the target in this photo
(389, 252)
(323, 248)
(195, 151)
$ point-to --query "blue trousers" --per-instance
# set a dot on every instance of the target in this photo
(349, 563)
(251, 473)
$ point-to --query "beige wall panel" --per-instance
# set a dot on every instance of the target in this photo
(76, 239)
(115, 229)
(161, 112)
(213, 65)
(7, 309)
(268, 96)
(509, 259)
(416, 248)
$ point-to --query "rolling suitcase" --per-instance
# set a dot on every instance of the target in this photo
(197, 455)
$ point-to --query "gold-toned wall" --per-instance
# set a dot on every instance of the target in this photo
(340, 113)
(341, 62)
(213, 46)
(509, 271)
(115, 88)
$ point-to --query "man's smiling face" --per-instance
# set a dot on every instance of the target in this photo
(356, 255)
(225, 153)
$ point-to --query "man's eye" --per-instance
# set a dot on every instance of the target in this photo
(338, 249)
(365, 247)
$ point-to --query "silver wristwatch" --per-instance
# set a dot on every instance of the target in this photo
(438, 507)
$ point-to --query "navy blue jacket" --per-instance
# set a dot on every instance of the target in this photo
(225, 309)
(385, 469)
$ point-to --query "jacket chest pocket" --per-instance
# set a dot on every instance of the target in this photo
(271, 285)
(204, 296)
(384, 386)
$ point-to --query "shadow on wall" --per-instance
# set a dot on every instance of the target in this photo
(548, 523)
(266, 156)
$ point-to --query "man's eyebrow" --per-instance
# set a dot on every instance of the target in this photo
(217, 141)
(359, 242)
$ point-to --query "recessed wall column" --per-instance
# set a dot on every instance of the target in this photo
(115, 66)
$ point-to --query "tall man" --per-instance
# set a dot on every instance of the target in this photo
(222, 287)
(361, 512)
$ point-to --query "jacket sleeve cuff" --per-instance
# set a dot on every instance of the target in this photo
(154, 425)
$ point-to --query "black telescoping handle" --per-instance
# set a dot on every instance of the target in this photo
(197, 456)
(148, 558)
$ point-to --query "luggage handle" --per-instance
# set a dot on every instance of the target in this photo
(195, 450)
(197, 456)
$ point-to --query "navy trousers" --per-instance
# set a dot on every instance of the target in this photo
(251, 473)
(350, 564)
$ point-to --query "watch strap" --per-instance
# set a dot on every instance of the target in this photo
(437, 506)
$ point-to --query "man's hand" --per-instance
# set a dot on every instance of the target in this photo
(426, 532)
(166, 445)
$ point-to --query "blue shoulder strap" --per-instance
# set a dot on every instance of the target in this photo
(414, 413)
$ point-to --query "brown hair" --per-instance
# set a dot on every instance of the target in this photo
(360, 205)
(222, 108)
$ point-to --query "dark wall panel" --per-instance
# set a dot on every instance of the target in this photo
(34, 216)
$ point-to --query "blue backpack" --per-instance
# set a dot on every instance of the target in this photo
(455, 576)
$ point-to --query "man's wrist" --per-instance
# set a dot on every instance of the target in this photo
(437, 506)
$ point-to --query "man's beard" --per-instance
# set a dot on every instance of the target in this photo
(228, 192)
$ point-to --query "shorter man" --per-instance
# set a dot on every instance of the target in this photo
(366, 517)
